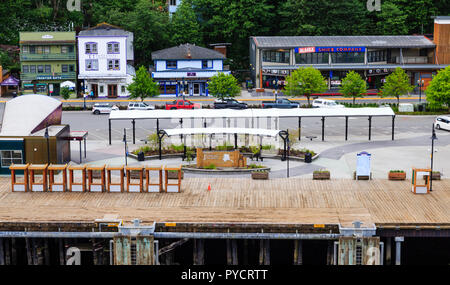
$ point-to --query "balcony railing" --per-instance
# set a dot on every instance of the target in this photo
(47, 56)
(48, 76)
(413, 60)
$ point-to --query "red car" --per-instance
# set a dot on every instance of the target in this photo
(181, 104)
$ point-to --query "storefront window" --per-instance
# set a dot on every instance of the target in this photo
(311, 58)
(377, 56)
(11, 156)
(276, 56)
(347, 57)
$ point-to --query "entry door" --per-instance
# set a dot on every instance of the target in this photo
(95, 89)
(196, 88)
(112, 91)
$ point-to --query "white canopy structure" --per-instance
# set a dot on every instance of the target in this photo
(211, 131)
(250, 113)
(299, 113)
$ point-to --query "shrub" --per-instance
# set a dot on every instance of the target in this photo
(397, 171)
(211, 166)
(255, 166)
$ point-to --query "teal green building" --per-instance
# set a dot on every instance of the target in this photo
(47, 60)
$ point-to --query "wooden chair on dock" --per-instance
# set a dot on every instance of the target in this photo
(77, 186)
(172, 187)
(115, 187)
(36, 169)
(19, 186)
(93, 186)
(418, 188)
(135, 187)
(154, 185)
(57, 186)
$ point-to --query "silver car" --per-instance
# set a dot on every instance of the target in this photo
(140, 106)
(103, 108)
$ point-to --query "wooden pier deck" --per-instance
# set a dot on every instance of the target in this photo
(237, 200)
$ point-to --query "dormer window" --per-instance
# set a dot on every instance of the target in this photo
(171, 64)
(113, 47)
(91, 48)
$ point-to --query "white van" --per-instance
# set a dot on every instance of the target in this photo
(442, 122)
(325, 103)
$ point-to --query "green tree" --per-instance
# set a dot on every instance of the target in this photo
(353, 86)
(223, 85)
(438, 92)
(397, 84)
(65, 93)
(143, 85)
(304, 82)
(184, 25)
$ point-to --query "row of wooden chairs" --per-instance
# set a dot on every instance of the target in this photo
(90, 182)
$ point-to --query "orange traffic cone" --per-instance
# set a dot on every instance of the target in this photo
(209, 187)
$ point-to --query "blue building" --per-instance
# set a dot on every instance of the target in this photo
(186, 69)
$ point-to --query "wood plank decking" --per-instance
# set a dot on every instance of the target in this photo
(237, 200)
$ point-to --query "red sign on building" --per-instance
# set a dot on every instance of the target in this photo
(305, 50)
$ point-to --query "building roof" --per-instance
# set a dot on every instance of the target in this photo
(50, 37)
(104, 29)
(27, 114)
(187, 51)
(365, 41)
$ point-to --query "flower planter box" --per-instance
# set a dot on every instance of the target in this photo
(321, 176)
(397, 176)
(174, 175)
(260, 175)
(435, 176)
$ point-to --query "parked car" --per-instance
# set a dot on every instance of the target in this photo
(182, 104)
(280, 103)
(140, 106)
(324, 103)
(229, 103)
(442, 123)
(103, 108)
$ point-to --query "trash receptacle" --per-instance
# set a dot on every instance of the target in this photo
(141, 156)
(308, 157)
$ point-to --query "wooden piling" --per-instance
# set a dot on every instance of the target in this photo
(94, 252)
(62, 260)
(245, 255)
(2, 254)
(13, 252)
(229, 259)
(199, 252)
(234, 252)
(261, 252)
(29, 251)
(34, 251)
(298, 252)
(389, 251)
(46, 252)
(7, 249)
(329, 253)
(267, 252)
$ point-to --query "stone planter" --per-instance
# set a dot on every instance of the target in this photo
(321, 176)
(397, 176)
(174, 175)
(435, 176)
(260, 175)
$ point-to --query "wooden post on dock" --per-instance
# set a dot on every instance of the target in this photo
(40, 252)
(62, 260)
(2, 254)
(13, 251)
(330, 253)
(7, 251)
(389, 251)
(29, 251)
(245, 252)
(298, 252)
(94, 252)
(234, 252)
(199, 252)
(229, 259)
(264, 252)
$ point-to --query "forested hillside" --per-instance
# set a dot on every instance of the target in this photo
(210, 21)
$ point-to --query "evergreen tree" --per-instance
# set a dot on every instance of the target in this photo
(184, 24)
(438, 92)
(143, 85)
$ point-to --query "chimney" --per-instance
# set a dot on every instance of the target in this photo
(221, 47)
(442, 39)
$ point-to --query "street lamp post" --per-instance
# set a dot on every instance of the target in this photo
(125, 144)
(433, 138)
(420, 83)
(46, 136)
(288, 150)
